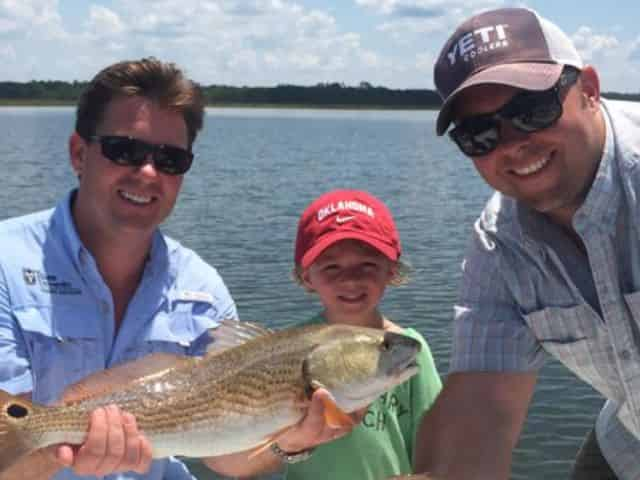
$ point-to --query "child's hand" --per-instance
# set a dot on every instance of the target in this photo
(313, 429)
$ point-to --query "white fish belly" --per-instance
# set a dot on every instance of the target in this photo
(210, 440)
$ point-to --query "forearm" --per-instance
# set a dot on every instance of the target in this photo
(471, 430)
(482, 450)
(38, 465)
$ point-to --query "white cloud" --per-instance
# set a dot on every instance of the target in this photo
(428, 8)
(634, 51)
(593, 46)
(610, 56)
(7, 53)
(33, 18)
(104, 22)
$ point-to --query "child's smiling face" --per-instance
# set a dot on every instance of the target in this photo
(350, 278)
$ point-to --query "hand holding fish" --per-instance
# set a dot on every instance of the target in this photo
(113, 444)
(314, 429)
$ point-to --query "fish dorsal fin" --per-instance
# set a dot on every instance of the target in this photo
(231, 333)
(116, 378)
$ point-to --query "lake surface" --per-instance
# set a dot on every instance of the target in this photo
(256, 170)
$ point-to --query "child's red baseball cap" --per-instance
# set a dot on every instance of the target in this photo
(341, 215)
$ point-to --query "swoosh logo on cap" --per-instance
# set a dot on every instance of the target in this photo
(340, 219)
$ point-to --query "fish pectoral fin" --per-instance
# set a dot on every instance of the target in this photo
(335, 417)
(231, 333)
(116, 378)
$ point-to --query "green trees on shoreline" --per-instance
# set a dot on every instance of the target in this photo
(320, 95)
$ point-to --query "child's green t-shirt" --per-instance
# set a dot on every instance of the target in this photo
(383, 444)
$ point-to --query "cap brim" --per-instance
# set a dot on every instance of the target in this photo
(527, 76)
(325, 242)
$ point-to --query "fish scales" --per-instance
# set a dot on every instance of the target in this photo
(227, 401)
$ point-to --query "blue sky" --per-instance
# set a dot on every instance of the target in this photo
(389, 43)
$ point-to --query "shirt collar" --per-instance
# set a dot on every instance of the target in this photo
(599, 208)
(157, 261)
(71, 240)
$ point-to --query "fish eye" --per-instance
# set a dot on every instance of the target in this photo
(16, 410)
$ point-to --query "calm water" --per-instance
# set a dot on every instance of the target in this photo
(256, 170)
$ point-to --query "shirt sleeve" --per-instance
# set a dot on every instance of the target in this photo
(15, 368)
(177, 470)
(425, 387)
(490, 332)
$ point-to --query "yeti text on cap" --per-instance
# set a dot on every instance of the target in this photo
(477, 42)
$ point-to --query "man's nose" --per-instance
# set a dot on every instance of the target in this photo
(148, 168)
(511, 138)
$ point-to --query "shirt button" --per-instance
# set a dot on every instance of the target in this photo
(625, 354)
(104, 305)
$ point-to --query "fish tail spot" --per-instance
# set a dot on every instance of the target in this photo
(17, 411)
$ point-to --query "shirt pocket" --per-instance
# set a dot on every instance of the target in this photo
(577, 337)
(63, 348)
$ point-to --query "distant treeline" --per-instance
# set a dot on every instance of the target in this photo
(322, 95)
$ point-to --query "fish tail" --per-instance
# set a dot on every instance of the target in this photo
(15, 440)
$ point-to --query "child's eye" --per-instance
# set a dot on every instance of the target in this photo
(370, 266)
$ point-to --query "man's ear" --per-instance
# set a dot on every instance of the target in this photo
(590, 86)
(77, 153)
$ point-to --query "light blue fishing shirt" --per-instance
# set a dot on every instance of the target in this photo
(528, 289)
(56, 312)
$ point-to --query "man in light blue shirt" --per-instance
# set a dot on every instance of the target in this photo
(93, 283)
(553, 263)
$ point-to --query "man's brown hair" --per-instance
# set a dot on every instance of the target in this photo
(160, 82)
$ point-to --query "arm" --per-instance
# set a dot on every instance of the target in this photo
(310, 432)
(472, 428)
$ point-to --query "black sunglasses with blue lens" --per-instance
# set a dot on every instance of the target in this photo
(131, 152)
(528, 111)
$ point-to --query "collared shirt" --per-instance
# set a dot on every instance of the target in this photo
(56, 312)
(528, 289)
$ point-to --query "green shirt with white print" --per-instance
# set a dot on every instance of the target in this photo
(383, 444)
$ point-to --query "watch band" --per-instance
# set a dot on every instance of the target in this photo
(293, 457)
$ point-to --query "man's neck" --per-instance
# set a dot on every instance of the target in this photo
(120, 259)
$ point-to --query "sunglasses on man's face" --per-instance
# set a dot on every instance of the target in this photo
(131, 152)
(528, 111)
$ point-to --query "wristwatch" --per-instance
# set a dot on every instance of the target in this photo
(293, 457)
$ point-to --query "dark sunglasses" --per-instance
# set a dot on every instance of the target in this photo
(528, 111)
(131, 152)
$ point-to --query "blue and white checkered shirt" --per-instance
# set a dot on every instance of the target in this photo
(56, 312)
(527, 288)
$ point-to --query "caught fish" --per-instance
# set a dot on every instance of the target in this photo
(250, 386)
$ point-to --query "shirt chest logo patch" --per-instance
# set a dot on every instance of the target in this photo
(49, 283)
(29, 276)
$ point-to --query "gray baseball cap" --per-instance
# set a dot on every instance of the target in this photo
(508, 46)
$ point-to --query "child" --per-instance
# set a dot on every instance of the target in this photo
(347, 251)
